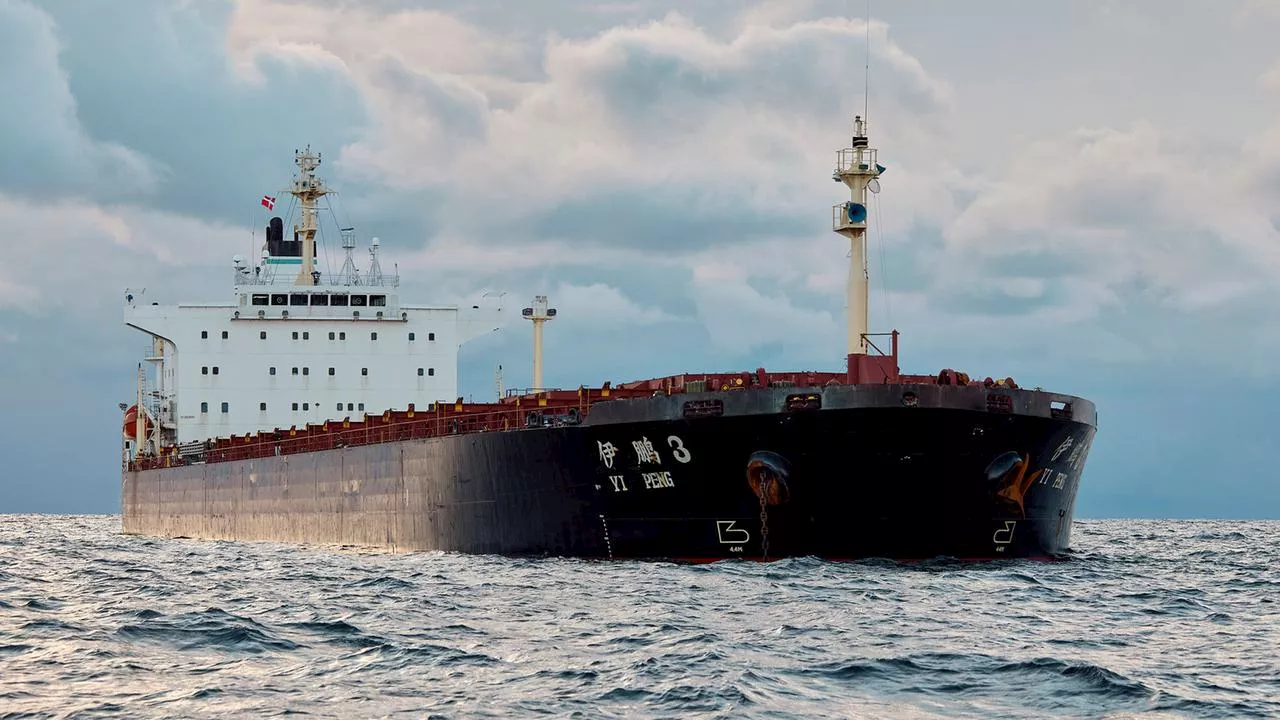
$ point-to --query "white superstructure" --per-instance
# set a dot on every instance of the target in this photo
(293, 346)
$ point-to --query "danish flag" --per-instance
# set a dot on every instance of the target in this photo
(268, 202)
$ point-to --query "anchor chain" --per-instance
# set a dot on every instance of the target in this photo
(764, 517)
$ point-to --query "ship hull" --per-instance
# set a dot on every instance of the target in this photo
(859, 474)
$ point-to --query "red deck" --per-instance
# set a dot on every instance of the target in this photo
(529, 410)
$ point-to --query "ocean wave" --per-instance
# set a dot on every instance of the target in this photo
(1148, 617)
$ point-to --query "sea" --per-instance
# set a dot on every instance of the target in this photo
(1146, 618)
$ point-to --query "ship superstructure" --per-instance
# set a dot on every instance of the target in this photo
(294, 345)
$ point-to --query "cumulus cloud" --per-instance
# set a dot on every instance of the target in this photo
(741, 318)
(656, 116)
(496, 156)
(47, 150)
(1270, 79)
(76, 254)
(598, 304)
(661, 142)
(1083, 220)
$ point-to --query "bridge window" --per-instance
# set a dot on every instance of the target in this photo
(226, 407)
(360, 300)
(298, 299)
(319, 299)
(280, 299)
(204, 407)
(261, 300)
(339, 299)
(378, 300)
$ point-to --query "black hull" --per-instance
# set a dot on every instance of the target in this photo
(864, 476)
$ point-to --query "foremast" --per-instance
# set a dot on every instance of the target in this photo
(307, 188)
(858, 169)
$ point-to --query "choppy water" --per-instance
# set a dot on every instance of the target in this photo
(1167, 619)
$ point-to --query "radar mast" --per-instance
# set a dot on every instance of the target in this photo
(308, 189)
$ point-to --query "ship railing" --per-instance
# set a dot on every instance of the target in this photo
(282, 277)
(893, 348)
(526, 392)
(860, 159)
(547, 408)
(392, 426)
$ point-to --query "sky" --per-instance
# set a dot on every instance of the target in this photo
(1081, 195)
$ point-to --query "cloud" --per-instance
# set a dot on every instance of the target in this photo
(47, 150)
(1082, 221)
(82, 253)
(17, 296)
(740, 318)
(1250, 12)
(614, 138)
(661, 142)
(598, 304)
(155, 86)
(1270, 79)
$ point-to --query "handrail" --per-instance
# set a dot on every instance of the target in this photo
(892, 334)
(547, 408)
(283, 279)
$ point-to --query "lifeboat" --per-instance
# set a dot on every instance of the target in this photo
(131, 423)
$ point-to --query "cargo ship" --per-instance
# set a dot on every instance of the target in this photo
(322, 408)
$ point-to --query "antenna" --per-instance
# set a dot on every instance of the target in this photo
(375, 268)
(348, 246)
(866, 84)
